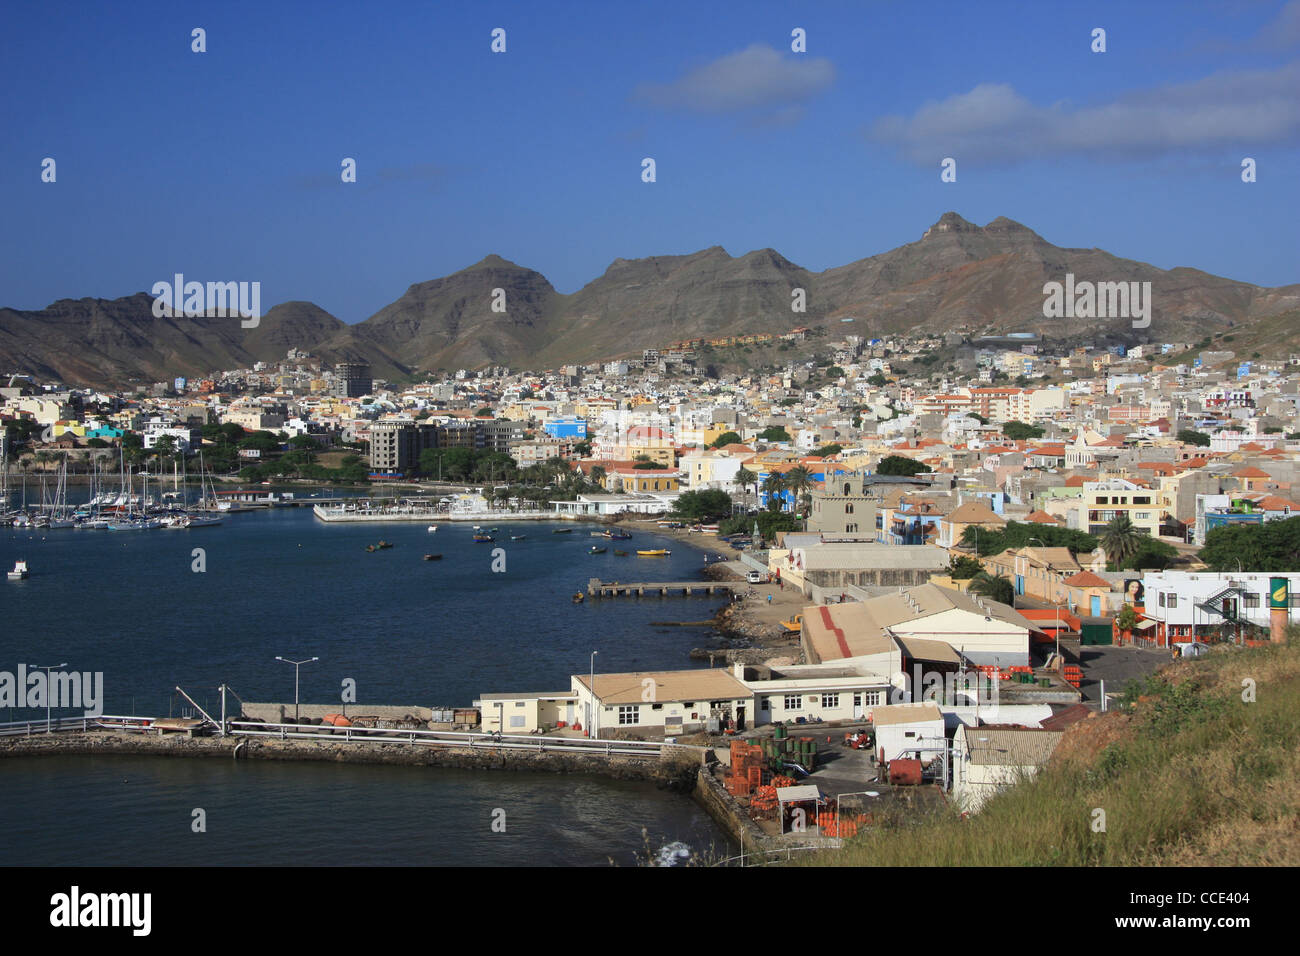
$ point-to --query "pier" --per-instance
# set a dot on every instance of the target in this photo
(599, 588)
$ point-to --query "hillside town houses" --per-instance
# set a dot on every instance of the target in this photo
(1007, 434)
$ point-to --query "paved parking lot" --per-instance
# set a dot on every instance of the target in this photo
(1114, 665)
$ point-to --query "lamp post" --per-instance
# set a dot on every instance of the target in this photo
(591, 715)
(296, 665)
(47, 669)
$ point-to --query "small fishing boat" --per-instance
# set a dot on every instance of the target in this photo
(578, 597)
(562, 531)
(432, 528)
(655, 553)
(384, 544)
(621, 554)
(595, 550)
(618, 535)
(518, 537)
(483, 538)
(19, 572)
(433, 557)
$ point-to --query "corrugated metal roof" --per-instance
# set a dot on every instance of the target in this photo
(997, 747)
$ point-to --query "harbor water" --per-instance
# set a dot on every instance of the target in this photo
(151, 610)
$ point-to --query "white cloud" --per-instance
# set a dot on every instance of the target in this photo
(993, 122)
(755, 78)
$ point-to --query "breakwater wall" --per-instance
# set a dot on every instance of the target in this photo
(674, 770)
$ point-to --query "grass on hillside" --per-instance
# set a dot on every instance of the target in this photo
(1187, 773)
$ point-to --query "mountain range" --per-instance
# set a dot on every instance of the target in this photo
(956, 276)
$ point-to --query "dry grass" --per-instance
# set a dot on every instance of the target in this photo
(1191, 774)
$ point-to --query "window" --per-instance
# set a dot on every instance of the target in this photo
(628, 715)
(516, 720)
(519, 703)
(830, 700)
(765, 703)
(656, 706)
(857, 700)
(1161, 600)
(1251, 600)
(1173, 600)
(1142, 500)
(873, 698)
(792, 702)
(848, 509)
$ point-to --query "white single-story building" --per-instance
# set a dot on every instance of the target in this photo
(907, 730)
(989, 759)
(527, 713)
(661, 703)
(827, 692)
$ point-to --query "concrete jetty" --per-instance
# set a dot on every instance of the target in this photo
(599, 588)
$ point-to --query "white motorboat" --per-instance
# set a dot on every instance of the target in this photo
(19, 572)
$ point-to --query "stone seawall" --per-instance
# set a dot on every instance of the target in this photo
(675, 770)
(710, 794)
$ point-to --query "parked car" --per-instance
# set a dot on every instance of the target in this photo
(755, 577)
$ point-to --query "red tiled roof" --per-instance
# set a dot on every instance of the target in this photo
(1086, 579)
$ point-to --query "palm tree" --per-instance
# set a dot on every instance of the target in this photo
(994, 587)
(745, 478)
(774, 485)
(1120, 540)
(598, 476)
(798, 480)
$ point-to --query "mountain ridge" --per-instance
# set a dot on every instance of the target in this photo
(957, 274)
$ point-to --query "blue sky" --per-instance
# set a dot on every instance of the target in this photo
(225, 165)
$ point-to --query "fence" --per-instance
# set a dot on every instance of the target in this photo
(27, 728)
(441, 738)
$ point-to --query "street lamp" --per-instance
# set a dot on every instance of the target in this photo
(47, 669)
(591, 714)
(296, 665)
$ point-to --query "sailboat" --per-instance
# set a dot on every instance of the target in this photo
(60, 517)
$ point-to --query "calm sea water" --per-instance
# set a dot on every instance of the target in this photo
(407, 631)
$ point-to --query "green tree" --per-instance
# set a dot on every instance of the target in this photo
(1189, 437)
(827, 450)
(726, 438)
(1151, 555)
(798, 481)
(774, 485)
(877, 380)
(769, 524)
(1018, 534)
(1272, 546)
(1120, 540)
(698, 505)
(745, 478)
(1019, 431)
(901, 465)
(994, 587)
(774, 433)
(963, 568)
